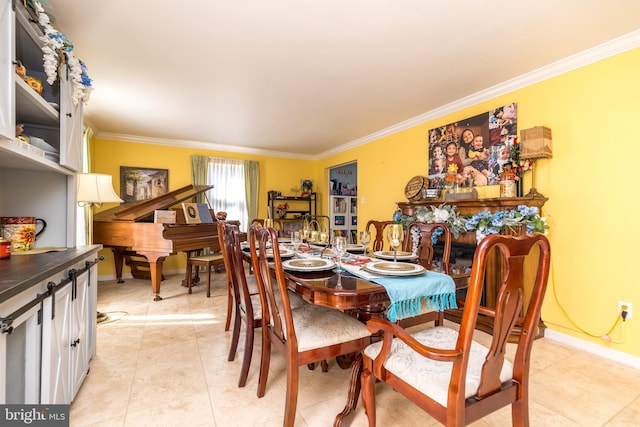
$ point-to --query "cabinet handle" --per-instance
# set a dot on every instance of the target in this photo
(68, 114)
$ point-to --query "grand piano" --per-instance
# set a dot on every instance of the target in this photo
(130, 227)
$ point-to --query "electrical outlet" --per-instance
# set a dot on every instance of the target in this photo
(628, 306)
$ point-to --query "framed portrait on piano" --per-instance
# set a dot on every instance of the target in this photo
(137, 183)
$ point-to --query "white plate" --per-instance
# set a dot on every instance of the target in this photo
(394, 268)
(308, 264)
(284, 253)
(401, 255)
(355, 248)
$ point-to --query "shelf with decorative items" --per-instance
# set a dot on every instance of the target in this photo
(43, 89)
(343, 215)
(291, 207)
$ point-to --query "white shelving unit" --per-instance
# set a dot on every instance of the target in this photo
(44, 348)
(343, 214)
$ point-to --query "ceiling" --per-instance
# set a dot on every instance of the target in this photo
(306, 77)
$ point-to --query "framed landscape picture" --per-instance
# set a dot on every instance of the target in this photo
(138, 183)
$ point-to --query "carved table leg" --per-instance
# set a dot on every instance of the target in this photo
(354, 391)
(118, 260)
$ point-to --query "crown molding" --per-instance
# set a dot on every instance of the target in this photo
(605, 50)
(200, 145)
(611, 48)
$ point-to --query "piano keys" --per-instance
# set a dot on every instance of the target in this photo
(131, 227)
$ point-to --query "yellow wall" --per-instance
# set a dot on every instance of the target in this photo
(590, 183)
(107, 156)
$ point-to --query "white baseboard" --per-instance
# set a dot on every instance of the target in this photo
(598, 350)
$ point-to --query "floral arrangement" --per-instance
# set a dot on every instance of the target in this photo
(481, 223)
(58, 50)
(519, 166)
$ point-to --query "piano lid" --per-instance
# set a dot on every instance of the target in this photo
(134, 211)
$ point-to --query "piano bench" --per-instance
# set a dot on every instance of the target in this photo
(208, 261)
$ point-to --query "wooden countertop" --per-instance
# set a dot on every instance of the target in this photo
(20, 272)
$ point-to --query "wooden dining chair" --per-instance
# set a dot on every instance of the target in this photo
(419, 238)
(247, 307)
(246, 300)
(376, 228)
(277, 224)
(227, 268)
(303, 335)
(448, 374)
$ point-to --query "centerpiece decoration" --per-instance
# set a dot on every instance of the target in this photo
(481, 223)
(58, 51)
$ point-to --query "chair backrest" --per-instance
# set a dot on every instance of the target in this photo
(277, 224)
(377, 233)
(223, 250)
(421, 236)
(525, 263)
(276, 317)
(233, 248)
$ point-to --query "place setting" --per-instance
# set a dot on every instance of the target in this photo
(308, 264)
(385, 268)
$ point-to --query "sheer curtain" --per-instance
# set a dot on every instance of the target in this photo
(199, 169)
(251, 184)
(228, 192)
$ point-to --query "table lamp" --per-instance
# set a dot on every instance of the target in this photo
(535, 143)
(94, 189)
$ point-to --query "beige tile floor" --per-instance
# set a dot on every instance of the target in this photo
(165, 364)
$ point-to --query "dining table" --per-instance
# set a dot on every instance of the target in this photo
(352, 290)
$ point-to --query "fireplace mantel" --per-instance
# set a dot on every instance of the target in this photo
(493, 273)
(472, 206)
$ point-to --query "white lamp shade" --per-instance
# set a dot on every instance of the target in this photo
(96, 188)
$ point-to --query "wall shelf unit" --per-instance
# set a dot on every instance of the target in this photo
(297, 208)
(343, 215)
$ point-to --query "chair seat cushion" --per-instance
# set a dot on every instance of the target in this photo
(295, 301)
(432, 377)
(207, 258)
(318, 326)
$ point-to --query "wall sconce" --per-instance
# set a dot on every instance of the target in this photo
(535, 143)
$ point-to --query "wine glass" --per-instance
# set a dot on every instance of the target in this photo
(323, 235)
(296, 239)
(395, 234)
(340, 248)
(365, 238)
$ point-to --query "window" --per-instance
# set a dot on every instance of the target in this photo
(228, 192)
